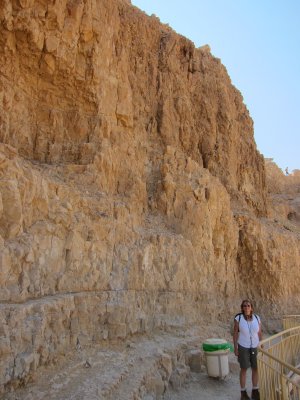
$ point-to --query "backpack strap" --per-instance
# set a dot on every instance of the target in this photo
(240, 315)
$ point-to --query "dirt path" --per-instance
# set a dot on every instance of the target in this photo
(132, 370)
(201, 387)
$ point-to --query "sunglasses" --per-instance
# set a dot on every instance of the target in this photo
(246, 305)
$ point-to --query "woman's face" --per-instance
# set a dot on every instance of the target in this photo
(247, 308)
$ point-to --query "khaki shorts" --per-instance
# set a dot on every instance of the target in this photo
(247, 357)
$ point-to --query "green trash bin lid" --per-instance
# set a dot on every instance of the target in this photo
(215, 344)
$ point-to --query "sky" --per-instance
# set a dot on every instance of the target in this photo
(258, 41)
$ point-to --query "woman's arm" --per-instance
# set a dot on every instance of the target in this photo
(235, 337)
(259, 331)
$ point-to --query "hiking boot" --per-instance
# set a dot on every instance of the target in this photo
(244, 395)
(255, 394)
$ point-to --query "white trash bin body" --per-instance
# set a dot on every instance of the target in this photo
(217, 363)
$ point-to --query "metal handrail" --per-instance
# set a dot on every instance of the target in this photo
(290, 321)
(279, 366)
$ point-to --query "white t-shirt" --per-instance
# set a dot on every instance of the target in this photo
(248, 331)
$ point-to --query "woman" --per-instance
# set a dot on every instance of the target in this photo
(246, 336)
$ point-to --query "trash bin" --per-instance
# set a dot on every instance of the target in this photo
(216, 354)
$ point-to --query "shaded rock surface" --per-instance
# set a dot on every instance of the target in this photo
(133, 197)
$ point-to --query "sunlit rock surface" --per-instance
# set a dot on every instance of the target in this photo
(132, 193)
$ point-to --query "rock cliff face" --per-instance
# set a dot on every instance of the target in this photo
(132, 193)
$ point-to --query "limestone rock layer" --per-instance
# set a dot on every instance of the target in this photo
(132, 193)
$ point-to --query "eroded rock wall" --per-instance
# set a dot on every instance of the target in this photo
(284, 196)
(132, 193)
(86, 78)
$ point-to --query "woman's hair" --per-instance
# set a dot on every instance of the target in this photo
(247, 301)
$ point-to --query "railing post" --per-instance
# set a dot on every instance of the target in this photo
(284, 387)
